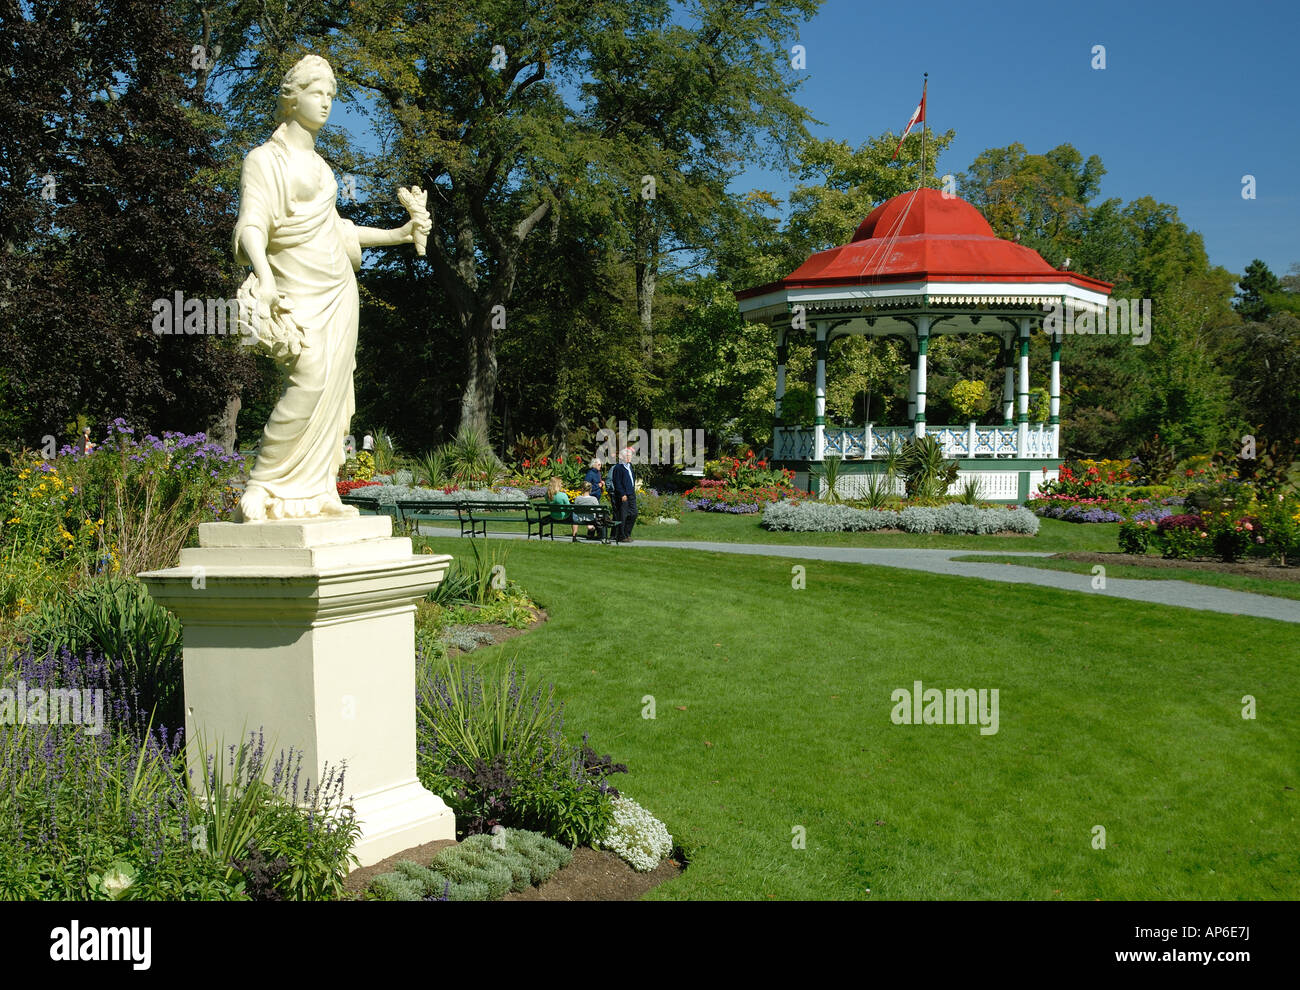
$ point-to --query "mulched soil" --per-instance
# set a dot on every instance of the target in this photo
(500, 633)
(598, 875)
(594, 875)
(1254, 568)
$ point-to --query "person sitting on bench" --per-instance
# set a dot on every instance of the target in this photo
(586, 498)
(556, 495)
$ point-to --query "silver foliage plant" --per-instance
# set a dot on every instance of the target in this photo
(815, 517)
(389, 494)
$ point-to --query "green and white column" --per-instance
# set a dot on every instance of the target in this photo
(1009, 383)
(1055, 395)
(782, 355)
(819, 409)
(911, 383)
(1022, 439)
(922, 347)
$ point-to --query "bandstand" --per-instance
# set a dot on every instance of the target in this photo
(923, 264)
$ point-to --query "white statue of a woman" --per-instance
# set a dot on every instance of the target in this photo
(303, 296)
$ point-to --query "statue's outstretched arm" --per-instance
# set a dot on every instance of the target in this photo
(415, 231)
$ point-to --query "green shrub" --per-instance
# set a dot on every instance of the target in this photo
(385, 452)
(557, 805)
(1279, 518)
(969, 493)
(651, 508)
(927, 473)
(879, 491)
(1182, 537)
(491, 745)
(1153, 492)
(970, 399)
(117, 618)
(828, 480)
(1135, 537)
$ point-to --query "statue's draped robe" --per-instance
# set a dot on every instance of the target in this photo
(313, 253)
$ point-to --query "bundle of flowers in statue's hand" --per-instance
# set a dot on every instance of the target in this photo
(272, 330)
(416, 201)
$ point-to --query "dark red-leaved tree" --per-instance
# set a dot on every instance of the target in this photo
(107, 203)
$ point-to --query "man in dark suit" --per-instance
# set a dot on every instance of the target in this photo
(624, 496)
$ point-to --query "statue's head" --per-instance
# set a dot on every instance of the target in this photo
(306, 93)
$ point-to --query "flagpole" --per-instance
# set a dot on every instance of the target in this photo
(925, 83)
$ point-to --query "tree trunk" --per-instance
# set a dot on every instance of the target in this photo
(646, 247)
(481, 375)
(222, 429)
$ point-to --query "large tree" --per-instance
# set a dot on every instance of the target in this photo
(681, 105)
(104, 208)
(1253, 292)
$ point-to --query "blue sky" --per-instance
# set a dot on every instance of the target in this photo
(1194, 96)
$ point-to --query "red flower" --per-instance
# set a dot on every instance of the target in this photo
(559, 460)
(762, 464)
(528, 464)
(1190, 472)
(544, 462)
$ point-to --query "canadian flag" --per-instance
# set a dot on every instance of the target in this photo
(918, 117)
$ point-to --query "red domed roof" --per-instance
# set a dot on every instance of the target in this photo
(930, 212)
(925, 235)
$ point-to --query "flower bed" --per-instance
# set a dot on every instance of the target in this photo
(815, 517)
(1272, 528)
(740, 501)
(104, 812)
(388, 494)
(1072, 508)
(128, 505)
(348, 487)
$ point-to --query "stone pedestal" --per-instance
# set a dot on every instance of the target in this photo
(305, 629)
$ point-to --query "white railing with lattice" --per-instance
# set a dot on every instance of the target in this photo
(870, 442)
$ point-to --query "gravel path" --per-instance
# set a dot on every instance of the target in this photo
(1182, 594)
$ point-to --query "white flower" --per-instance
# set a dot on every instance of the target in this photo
(117, 880)
(637, 836)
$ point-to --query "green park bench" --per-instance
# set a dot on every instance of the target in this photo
(599, 516)
(475, 516)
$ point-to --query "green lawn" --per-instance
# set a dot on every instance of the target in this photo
(1054, 536)
(1236, 582)
(773, 712)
